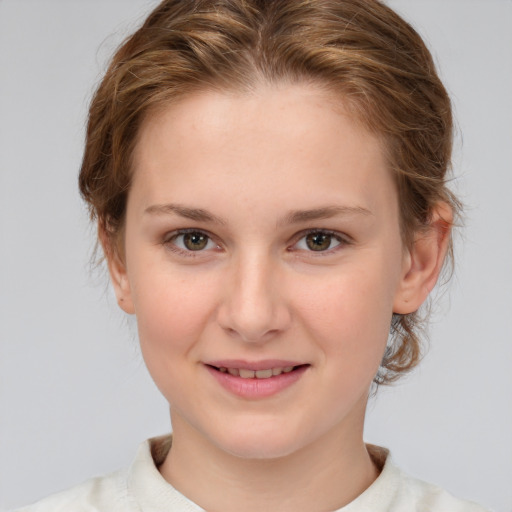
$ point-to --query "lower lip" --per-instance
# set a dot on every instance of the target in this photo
(257, 388)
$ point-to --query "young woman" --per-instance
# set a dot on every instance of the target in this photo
(269, 184)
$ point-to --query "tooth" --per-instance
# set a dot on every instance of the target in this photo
(288, 369)
(233, 371)
(223, 370)
(264, 374)
(277, 371)
(246, 374)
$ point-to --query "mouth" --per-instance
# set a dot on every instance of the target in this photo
(264, 373)
(255, 380)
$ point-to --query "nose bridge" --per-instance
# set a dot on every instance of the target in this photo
(253, 307)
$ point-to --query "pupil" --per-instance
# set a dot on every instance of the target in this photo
(318, 241)
(195, 241)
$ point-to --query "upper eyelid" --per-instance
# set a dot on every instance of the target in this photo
(343, 239)
(336, 234)
(183, 231)
(172, 235)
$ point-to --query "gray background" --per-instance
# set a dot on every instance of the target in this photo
(75, 398)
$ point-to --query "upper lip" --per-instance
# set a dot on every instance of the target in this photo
(264, 364)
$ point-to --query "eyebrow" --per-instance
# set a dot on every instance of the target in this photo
(197, 214)
(293, 217)
(326, 212)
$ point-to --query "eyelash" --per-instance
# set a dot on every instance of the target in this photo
(170, 240)
(342, 240)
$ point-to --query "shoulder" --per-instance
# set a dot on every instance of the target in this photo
(138, 487)
(104, 493)
(396, 491)
(428, 497)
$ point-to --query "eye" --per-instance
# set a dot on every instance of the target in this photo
(191, 241)
(319, 241)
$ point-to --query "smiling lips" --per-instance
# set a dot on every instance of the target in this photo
(256, 374)
(256, 380)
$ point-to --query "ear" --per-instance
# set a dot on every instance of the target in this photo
(424, 260)
(117, 270)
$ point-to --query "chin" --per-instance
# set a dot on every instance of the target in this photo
(255, 450)
(257, 441)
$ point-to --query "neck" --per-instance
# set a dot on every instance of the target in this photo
(325, 475)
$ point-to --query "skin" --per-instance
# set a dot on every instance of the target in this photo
(257, 291)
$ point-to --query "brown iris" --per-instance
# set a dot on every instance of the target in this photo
(318, 241)
(195, 241)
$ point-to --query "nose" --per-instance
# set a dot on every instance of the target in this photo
(254, 306)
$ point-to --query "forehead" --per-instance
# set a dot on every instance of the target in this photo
(295, 142)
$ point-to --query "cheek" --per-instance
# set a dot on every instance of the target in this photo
(172, 313)
(172, 310)
(349, 314)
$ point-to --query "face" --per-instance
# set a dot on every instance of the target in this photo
(263, 260)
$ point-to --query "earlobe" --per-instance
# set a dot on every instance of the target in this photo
(121, 284)
(118, 274)
(424, 261)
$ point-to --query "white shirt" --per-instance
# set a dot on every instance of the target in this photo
(141, 488)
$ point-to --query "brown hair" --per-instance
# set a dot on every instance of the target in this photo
(361, 49)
